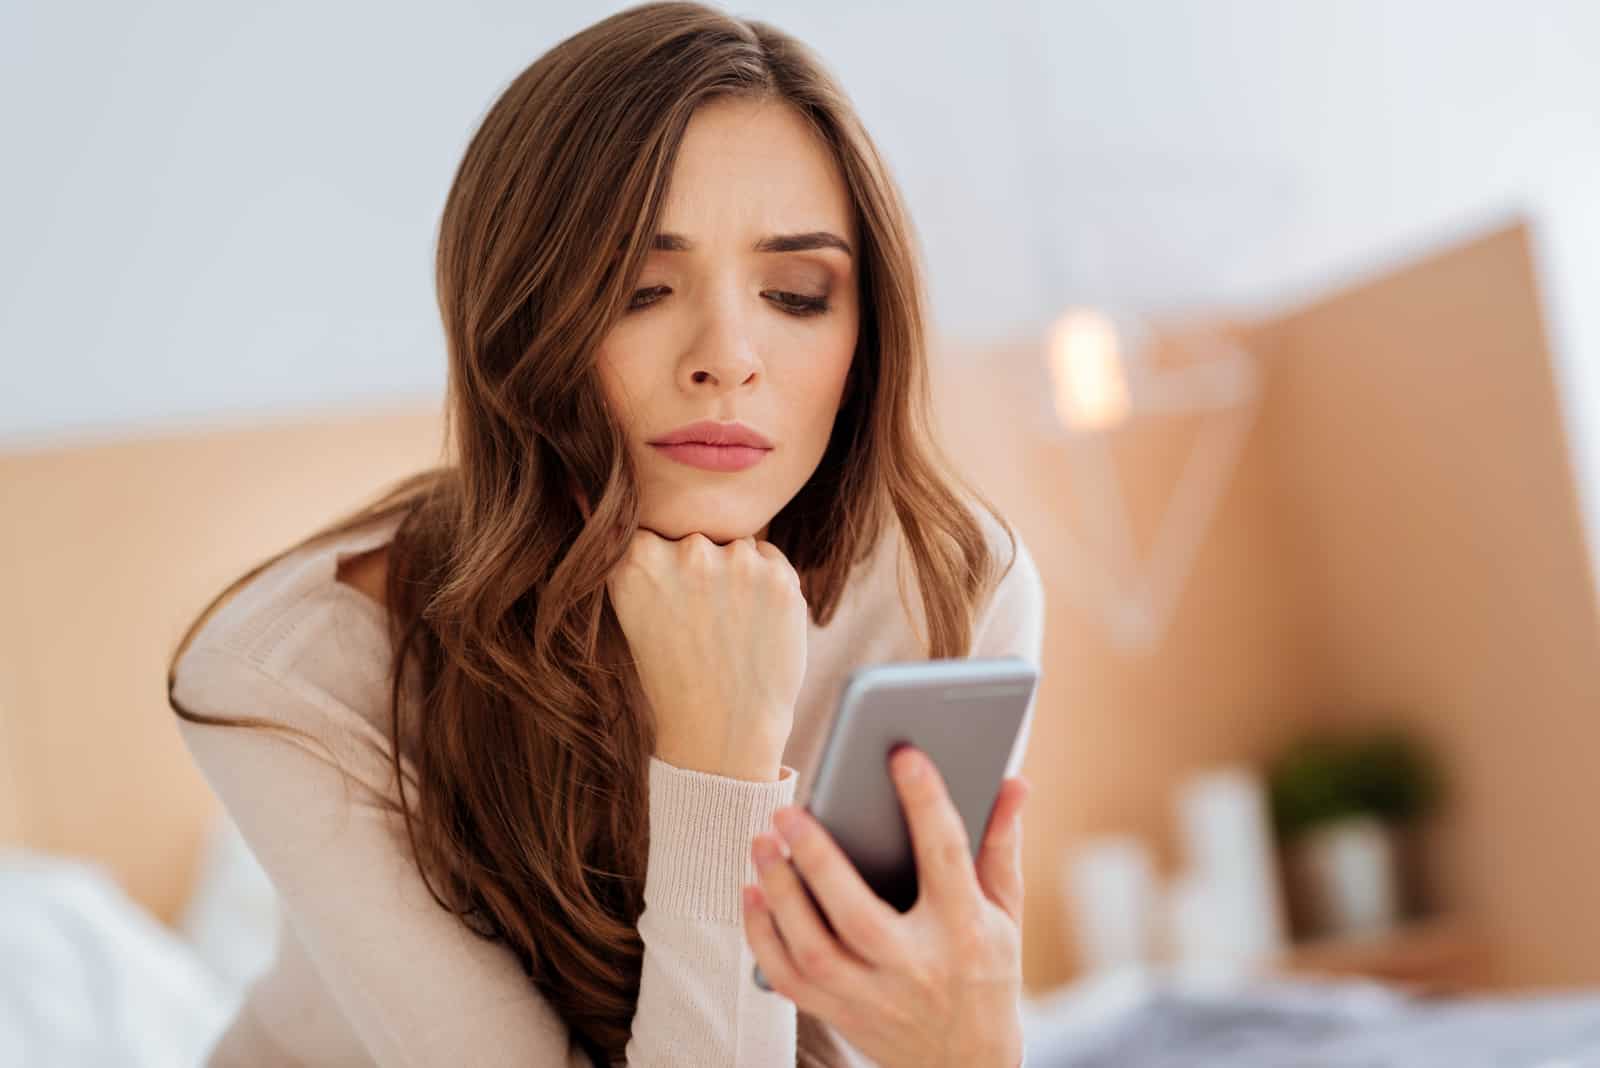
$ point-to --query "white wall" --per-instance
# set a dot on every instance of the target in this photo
(216, 209)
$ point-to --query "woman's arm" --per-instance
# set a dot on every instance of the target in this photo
(695, 991)
(414, 983)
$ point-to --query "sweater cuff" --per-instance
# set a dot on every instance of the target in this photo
(700, 831)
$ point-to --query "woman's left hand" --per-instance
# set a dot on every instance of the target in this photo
(939, 985)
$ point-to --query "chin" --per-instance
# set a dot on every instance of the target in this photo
(678, 523)
(719, 535)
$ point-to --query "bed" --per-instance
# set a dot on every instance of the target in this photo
(92, 978)
(1150, 1021)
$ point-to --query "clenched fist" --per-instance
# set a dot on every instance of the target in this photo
(718, 634)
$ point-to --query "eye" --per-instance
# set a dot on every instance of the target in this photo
(636, 303)
(793, 303)
(799, 304)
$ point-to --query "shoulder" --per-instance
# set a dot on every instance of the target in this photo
(1008, 615)
(294, 633)
(1006, 545)
(1012, 611)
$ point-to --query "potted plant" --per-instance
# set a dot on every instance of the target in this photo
(1338, 804)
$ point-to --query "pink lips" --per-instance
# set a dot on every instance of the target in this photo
(714, 446)
(714, 457)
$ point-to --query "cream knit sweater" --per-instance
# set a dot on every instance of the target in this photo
(370, 970)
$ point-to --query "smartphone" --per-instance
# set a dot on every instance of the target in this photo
(964, 713)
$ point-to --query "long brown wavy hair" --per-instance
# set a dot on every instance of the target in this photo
(504, 640)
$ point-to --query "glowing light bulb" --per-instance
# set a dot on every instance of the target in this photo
(1090, 385)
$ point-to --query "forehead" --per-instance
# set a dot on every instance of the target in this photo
(748, 168)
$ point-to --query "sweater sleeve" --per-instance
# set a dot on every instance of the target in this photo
(697, 1002)
(416, 985)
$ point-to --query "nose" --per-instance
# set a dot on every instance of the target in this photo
(724, 356)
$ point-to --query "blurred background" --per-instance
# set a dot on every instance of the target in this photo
(1271, 327)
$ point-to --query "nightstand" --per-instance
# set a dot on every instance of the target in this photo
(1433, 956)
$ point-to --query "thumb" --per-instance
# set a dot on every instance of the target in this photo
(999, 863)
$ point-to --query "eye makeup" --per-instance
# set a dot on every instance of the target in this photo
(797, 304)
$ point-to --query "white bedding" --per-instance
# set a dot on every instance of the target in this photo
(1154, 1022)
(90, 978)
(87, 977)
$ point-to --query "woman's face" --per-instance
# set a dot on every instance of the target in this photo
(723, 328)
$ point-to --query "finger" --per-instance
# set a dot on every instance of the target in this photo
(999, 864)
(695, 544)
(775, 555)
(819, 958)
(644, 548)
(761, 932)
(859, 917)
(640, 548)
(778, 968)
(938, 837)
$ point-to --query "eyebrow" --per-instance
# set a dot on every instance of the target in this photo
(813, 239)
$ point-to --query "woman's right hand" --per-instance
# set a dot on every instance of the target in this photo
(718, 634)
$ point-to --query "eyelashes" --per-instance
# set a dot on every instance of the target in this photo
(796, 304)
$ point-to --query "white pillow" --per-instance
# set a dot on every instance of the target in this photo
(90, 978)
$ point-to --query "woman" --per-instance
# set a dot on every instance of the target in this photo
(546, 705)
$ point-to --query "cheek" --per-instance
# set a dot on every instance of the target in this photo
(833, 371)
(619, 392)
(634, 365)
(813, 392)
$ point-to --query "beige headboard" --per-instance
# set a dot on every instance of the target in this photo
(106, 552)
